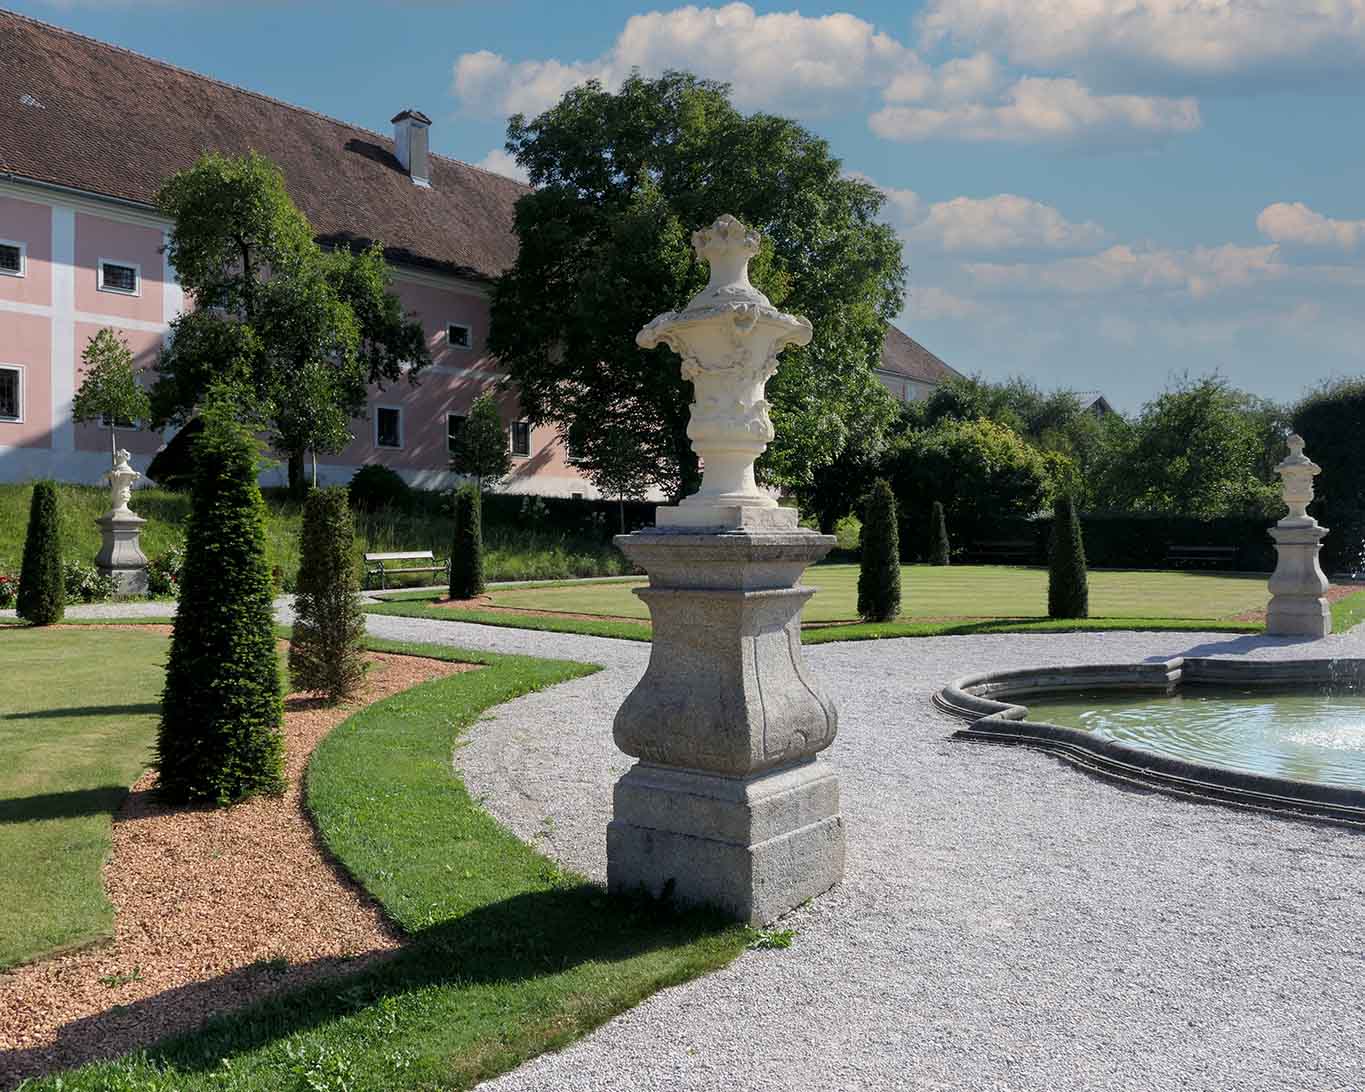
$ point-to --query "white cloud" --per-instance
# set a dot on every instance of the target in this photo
(500, 162)
(932, 302)
(1191, 39)
(1003, 222)
(1297, 223)
(1198, 272)
(783, 58)
(1038, 108)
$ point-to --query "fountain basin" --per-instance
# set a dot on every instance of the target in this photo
(1277, 736)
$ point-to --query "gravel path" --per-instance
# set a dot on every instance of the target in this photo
(1007, 922)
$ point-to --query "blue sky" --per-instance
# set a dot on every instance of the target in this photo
(1095, 194)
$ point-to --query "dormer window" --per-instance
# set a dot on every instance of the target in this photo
(125, 278)
(13, 258)
(459, 336)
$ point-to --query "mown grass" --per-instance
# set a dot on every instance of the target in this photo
(510, 553)
(1348, 611)
(508, 955)
(954, 592)
(74, 734)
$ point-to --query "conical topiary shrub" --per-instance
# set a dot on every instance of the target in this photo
(879, 574)
(42, 592)
(220, 738)
(326, 654)
(466, 555)
(1068, 593)
(938, 536)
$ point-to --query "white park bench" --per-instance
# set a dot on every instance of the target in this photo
(375, 567)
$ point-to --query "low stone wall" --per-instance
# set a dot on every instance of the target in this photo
(981, 700)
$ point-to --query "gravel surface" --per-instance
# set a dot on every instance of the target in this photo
(131, 608)
(1007, 922)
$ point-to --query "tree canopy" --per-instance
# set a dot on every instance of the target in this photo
(295, 336)
(110, 390)
(480, 449)
(622, 180)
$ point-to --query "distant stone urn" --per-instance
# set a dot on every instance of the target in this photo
(1298, 588)
(120, 553)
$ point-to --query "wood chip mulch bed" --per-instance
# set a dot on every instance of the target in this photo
(1334, 593)
(214, 908)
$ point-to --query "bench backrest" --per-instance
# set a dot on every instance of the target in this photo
(404, 555)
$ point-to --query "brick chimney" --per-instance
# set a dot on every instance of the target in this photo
(410, 145)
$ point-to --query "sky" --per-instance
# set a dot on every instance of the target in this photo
(1092, 194)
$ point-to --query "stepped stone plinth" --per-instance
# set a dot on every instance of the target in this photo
(728, 805)
(120, 553)
(1298, 588)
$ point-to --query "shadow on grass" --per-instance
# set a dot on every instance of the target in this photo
(136, 710)
(75, 804)
(526, 937)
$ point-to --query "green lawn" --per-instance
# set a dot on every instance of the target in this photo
(958, 591)
(78, 716)
(509, 955)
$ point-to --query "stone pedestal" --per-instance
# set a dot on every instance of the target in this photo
(1298, 589)
(727, 806)
(120, 553)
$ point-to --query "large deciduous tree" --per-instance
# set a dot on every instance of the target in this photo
(295, 335)
(622, 180)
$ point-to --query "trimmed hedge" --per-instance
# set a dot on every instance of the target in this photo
(466, 553)
(219, 739)
(42, 590)
(879, 572)
(1141, 542)
(1068, 592)
(326, 654)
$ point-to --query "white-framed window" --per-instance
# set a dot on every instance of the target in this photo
(521, 438)
(459, 336)
(13, 258)
(454, 426)
(388, 426)
(125, 278)
(11, 393)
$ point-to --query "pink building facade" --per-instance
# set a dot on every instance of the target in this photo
(72, 265)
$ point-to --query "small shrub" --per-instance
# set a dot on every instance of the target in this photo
(374, 487)
(163, 573)
(1068, 594)
(466, 555)
(938, 536)
(9, 590)
(219, 739)
(325, 653)
(879, 573)
(87, 583)
(41, 599)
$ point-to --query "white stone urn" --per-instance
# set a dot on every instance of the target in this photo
(120, 553)
(727, 804)
(1298, 588)
(728, 336)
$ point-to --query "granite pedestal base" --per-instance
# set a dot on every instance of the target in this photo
(1298, 604)
(120, 555)
(753, 847)
(727, 806)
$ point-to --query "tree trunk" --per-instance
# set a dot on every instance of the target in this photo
(621, 506)
(298, 483)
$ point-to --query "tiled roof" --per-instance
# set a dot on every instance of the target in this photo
(91, 116)
(903, 355)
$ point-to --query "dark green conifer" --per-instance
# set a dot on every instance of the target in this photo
(42, 592)
(466, 556)
(326, 651)
(1068, 594)
(220, 739)
(879, 574)
(938, 536)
